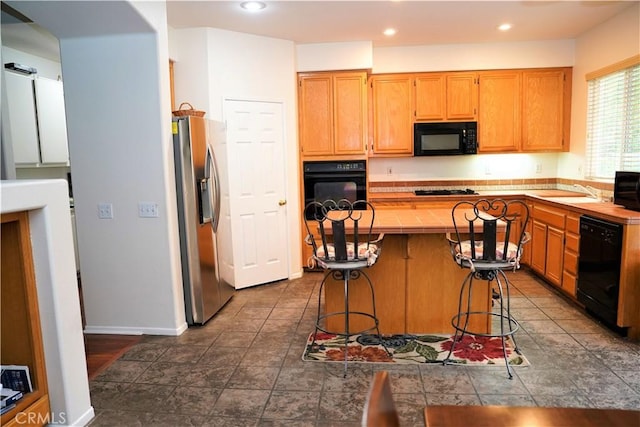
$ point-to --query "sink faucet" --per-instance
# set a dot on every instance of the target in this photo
(592, 192)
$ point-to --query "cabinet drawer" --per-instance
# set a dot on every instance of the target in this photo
(571, 262)
(573, 224)
(549, 216)
(572, 242)
(569, 282)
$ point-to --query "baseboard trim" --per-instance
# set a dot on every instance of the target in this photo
(123, 330)
(83, 420)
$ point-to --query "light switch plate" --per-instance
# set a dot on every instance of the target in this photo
(148, 210)
(105, 210)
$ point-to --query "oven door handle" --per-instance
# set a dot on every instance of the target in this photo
(341, 175)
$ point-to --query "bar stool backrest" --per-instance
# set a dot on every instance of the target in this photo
(344, 229)
(490, 231)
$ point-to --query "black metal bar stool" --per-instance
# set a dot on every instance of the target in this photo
(489, 235)
(344, 249)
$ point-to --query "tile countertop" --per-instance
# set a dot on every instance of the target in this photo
(414, 221)
(603, 210)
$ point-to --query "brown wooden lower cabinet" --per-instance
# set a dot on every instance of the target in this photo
(21, 335)
(547, 242)
(571, 253)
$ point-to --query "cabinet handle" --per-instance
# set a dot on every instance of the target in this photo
(282, 202)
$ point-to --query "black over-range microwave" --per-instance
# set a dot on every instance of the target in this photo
(626, 190)
(445, 138)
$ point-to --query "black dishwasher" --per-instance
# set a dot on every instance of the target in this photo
(599, 267)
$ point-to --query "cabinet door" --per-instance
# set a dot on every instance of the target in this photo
(392, 115)
(528, 247)
(569, 278)
(431, 96)
(543, 110)
(538, 246)
(350, 113)
(555, 255)
(20, 329)
(499, 125)
(19, 115)
(462, 96)
(52, 122)
(315, 114)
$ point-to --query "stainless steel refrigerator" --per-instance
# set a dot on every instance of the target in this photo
(198, 192)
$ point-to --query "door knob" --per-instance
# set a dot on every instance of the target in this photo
(282, 202)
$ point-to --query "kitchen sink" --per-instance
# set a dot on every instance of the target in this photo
(574, 200)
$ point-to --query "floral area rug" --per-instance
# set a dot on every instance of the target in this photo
(470, 351)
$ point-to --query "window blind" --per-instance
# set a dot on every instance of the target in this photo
(613, 123)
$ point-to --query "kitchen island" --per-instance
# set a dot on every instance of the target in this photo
(564, 257)
(416, 281)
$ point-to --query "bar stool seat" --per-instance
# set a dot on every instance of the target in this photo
(345, 249)
(488, 240)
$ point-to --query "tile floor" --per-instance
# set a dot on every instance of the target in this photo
(244, 368)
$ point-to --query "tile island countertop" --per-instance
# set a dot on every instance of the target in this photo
(414, 221)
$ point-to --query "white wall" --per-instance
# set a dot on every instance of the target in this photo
(118, 109)
(334, 56)
(478, 167)
(485, 56)
(243, 66)
(610, 42)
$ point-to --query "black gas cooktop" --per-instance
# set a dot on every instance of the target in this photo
(443, 192)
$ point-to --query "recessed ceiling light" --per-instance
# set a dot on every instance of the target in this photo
(389, 32)
(253, 5)
(504, 27)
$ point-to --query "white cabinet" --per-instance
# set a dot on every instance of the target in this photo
(19, 117)
(35, 120)
(52, 122)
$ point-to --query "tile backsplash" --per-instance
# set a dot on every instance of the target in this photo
(605, 189)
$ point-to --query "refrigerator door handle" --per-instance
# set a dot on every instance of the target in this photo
(212, 169)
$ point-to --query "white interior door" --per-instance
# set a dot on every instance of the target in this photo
(255, 153)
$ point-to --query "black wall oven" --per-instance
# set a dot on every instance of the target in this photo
(336, 180)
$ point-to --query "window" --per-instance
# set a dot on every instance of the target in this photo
(613, 120)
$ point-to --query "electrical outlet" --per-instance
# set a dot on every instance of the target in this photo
(538, 167)
(105, 210)
(148, 210)
(389, 170)
(487, 170)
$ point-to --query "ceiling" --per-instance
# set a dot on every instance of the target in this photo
(416, 22)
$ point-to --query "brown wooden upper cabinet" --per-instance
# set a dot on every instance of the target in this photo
(546, 109)
(392, 114)
(524, 110)
(332, 109)
(446, 96)
(499, 111)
